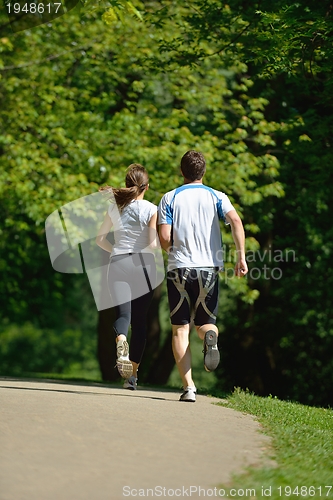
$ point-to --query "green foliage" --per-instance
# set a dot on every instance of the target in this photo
(287, 333)
(281, 36)
(117, 10)
(84, 99)
(273, 343)
(79, 106)
(302, 342)
(25, 350)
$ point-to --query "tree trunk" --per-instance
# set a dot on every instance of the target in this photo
(106, 347)
(153, 335)
(162, 367)
(157, 362)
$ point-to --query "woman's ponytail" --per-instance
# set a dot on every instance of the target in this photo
(136, 181)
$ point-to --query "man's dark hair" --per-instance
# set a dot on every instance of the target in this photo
(193, 165)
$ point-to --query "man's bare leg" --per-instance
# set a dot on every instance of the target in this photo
(201, 330)
(211, 352)
(182, 353)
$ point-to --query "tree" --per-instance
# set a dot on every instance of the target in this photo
(86, 106)
(275, 343)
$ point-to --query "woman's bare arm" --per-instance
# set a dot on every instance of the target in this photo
(104, 230)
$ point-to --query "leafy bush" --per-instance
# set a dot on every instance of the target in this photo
(27, 349)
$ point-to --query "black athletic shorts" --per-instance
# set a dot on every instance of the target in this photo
(193, 291)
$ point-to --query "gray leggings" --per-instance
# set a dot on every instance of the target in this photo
(125, 281)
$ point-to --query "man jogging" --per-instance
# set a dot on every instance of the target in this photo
(189, 231)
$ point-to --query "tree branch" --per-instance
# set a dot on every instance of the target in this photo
(49, 58)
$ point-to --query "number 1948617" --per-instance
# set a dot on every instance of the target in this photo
(33, 8)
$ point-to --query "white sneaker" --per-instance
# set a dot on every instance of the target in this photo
(189, 394)
(125, 367)
(131, 383)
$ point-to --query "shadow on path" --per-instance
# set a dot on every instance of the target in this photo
(131, 394)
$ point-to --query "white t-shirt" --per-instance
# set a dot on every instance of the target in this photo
(194, 211)
(130, 226)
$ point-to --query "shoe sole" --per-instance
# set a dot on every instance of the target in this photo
(130, 387)
(212, 356)
(125, 368)
(188, 400)
(130, 383)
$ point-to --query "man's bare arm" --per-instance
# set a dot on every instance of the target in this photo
(239, 238)
(165, 236)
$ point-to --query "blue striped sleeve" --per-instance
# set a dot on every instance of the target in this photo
(165, 212)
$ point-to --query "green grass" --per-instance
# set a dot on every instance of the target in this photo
(302, 448)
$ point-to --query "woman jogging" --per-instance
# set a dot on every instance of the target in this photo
(131, 273)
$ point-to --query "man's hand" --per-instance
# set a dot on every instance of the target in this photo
(241, 268)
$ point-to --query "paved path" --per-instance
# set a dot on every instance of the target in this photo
(61, 441)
